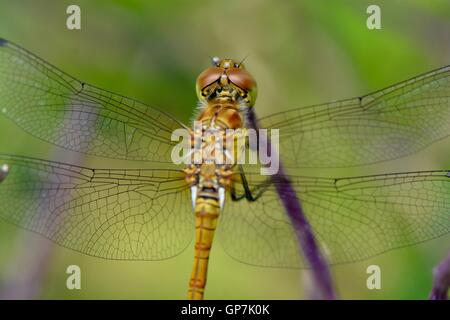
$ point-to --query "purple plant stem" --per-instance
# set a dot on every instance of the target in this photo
(32, 261)
(23, 280)
(27, 269)
(305, 236)
(441, 280)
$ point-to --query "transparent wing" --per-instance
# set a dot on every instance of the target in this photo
(40, 99)
(114, 214)
(352, 218)
(387, 124)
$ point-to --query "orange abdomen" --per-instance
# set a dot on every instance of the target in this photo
(206, 214)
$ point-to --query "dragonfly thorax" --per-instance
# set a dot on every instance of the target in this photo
(211, 168)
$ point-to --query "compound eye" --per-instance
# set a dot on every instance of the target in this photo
(242, 79)
(208, 77)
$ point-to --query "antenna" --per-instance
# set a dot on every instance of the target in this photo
(242, 61)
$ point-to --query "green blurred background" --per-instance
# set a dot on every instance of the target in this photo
(300, 52)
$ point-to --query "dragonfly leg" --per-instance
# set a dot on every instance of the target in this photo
(249, 194)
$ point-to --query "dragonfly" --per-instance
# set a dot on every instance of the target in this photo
(156, 211)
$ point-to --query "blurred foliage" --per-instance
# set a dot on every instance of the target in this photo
(300, 52)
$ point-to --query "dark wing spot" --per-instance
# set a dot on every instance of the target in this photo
(3, 41)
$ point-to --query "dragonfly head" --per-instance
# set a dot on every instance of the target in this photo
(226, 77)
